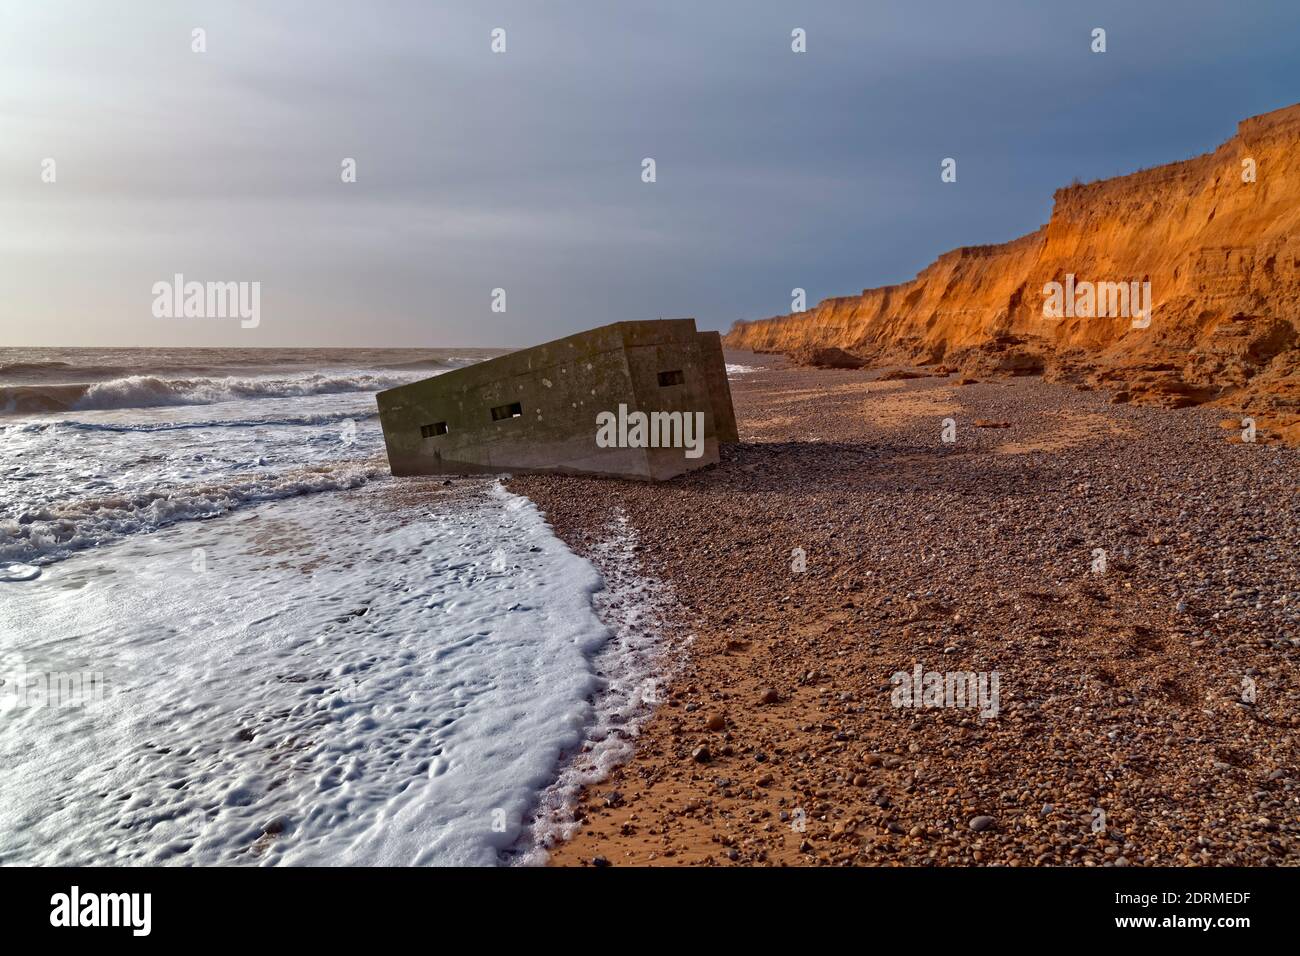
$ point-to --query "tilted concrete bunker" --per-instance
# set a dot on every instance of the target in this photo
(634, 399)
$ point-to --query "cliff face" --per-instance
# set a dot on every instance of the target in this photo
(1221, 254)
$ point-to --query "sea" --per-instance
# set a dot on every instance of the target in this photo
(228, 636)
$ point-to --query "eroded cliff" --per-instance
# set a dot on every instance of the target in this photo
(1216, 238)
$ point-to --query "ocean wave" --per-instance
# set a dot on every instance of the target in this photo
(47, 534)
(148, 391)
(425, 364)
(38, 371)
(19, 368)
(324, 418)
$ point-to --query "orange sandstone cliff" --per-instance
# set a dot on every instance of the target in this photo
(1221, 253)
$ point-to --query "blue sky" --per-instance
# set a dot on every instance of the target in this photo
(522, 170)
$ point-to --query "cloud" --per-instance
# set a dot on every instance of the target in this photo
(522, 170)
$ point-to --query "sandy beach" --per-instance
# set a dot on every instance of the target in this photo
(447, 447)
(1128, 573)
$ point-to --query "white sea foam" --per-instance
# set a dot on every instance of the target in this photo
(344, 683)
(329, 418)
(70, 483)
(19, 572)
(312, 677)
(632, 668)
(46, 534)
(734, 369)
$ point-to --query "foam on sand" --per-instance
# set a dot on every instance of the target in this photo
(332, 680)
(633, 668)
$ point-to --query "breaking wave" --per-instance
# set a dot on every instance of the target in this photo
(147, 391)
(46, 534)
(324, 418)
(428, 364)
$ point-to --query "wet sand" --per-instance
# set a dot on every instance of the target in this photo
(1147, 707)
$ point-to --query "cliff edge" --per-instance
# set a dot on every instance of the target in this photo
(1211, 242)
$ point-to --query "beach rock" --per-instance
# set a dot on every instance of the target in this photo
(827, 357)
(988, 554)
(981, 823)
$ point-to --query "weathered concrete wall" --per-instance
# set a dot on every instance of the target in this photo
(715, 374)
(560, 387)
(679, 354)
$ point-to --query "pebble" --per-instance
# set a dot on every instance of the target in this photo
(1097, 669)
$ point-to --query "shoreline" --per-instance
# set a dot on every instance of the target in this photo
(1122, 737)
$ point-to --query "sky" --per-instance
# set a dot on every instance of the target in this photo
(522, 170)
